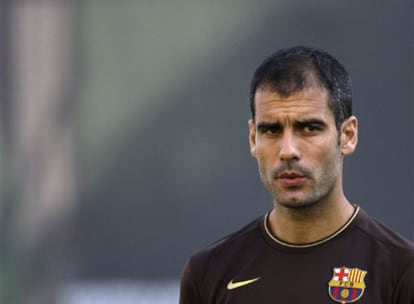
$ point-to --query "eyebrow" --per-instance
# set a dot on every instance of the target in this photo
(310, 122)
(297, 123)
(268, 125)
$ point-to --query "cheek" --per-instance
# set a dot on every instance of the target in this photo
(265, 155)
(262, 161)
(331, 159)
(324, 158)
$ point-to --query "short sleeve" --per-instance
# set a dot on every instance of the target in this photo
(404, 291)
(189, 293)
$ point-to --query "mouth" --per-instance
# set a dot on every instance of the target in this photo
(291, 179)
(290, 174)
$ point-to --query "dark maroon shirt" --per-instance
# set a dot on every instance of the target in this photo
(363, 262)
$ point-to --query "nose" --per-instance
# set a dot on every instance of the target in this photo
(289, 147)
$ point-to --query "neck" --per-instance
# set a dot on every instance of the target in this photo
(309, 224)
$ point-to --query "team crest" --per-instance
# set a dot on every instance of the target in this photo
(347, 284)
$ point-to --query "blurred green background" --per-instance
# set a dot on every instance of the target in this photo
(124, 128)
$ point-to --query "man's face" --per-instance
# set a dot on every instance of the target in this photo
(295, 142)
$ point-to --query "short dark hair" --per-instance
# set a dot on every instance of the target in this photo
(289, 71)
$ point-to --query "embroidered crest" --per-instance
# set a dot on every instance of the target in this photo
(347, 284)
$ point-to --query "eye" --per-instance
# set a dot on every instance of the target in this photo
(311, 128)
(270, 129)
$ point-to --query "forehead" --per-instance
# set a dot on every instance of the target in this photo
(311, 102)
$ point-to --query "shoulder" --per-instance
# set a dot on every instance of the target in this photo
(382, 235)
(208, 264)
(391, 252)
(224, 249)
(383, 243)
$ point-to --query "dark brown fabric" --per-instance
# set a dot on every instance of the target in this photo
(300, 275)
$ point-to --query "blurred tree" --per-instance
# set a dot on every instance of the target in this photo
(38, 128)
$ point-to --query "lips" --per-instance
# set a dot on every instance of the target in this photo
(290, 174)
(291, 179)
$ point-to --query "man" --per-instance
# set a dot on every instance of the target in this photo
(314, 246)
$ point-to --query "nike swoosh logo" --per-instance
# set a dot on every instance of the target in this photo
(233, 285)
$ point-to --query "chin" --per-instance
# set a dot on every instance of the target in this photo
(296, 203)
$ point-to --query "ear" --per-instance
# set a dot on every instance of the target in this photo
(252, 137)
(349, 135)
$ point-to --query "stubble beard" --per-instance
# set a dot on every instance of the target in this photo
(317, 190)
(306, 197)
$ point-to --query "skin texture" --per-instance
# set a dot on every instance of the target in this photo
(300, 156)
